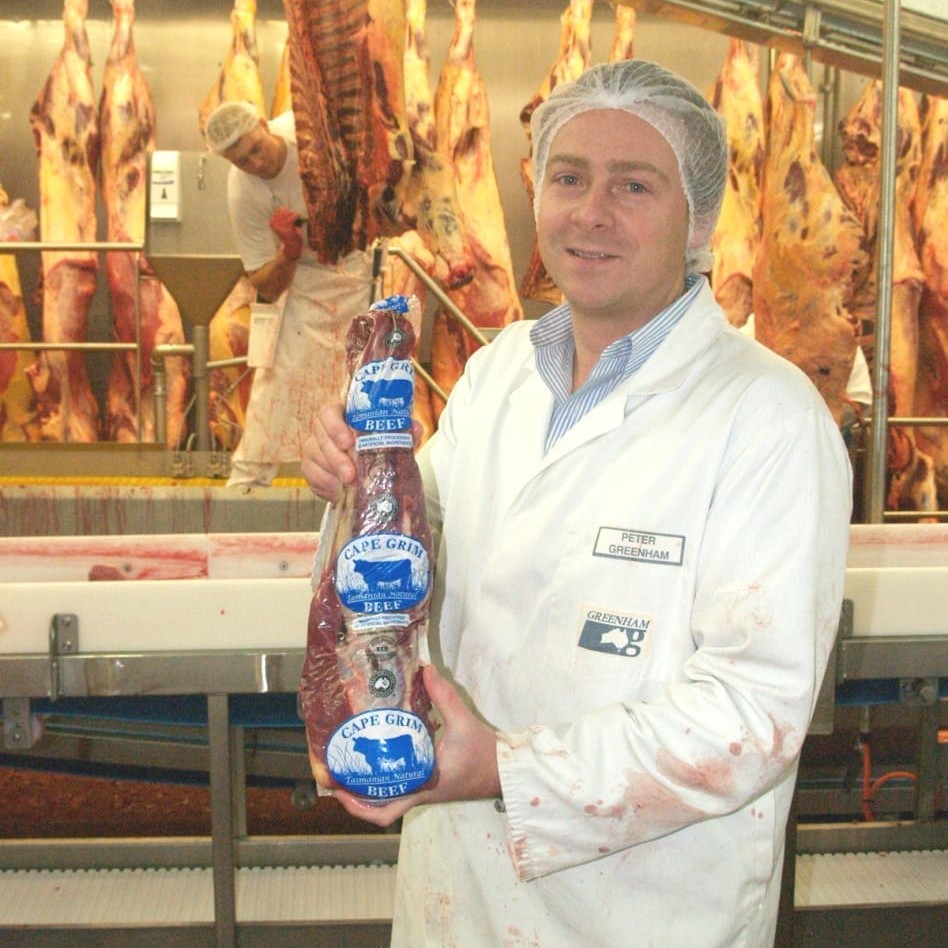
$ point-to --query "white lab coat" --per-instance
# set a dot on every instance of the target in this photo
(702, 510)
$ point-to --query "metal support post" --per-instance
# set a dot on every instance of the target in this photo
(876, 469)
(202, 392)
(222, 823)
(238, 784)
(926, 787)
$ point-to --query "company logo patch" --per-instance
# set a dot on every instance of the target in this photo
(615, 633)
(667, 549)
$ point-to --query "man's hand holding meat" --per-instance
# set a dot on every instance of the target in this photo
(465, 754)
(328, 461)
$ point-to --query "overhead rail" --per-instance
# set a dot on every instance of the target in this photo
(449, 305)
(846, 34)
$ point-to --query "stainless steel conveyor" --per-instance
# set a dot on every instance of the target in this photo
(227, 618)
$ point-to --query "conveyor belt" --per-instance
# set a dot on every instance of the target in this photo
(871, 879)
(87, 504)
(45, 480)
(120, 897)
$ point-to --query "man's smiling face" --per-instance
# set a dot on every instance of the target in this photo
(613, 218)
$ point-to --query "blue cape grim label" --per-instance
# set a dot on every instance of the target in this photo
(381, 754)
(380, 396)
(382, 572)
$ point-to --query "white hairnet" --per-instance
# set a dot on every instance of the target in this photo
(228, 123)
(675, 109)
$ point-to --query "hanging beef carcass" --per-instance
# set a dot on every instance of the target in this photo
(810, 246)
(18, 420)
(462, 115)
(64, 124)
(931, 222)
(432, 205)
(229, 338)
(859, 178)
(419, 110)
(623, 40)
(419, 101)
(420, 115)
(736, 95)
(324, 165)
(228, 334)
(346, 76)
(364, 175)
(432, 209)
(859, 181)
(462, 118)
(570, 63)
(127, 132)
(239, 78)
(282, 100)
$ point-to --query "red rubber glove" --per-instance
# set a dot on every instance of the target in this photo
(283, 224)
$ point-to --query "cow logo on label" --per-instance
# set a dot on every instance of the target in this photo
(382, 572)
(381, 754)
(380, 396)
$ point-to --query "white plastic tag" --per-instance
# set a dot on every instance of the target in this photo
(265, 320)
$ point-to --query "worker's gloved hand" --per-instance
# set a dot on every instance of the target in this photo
(283, 224)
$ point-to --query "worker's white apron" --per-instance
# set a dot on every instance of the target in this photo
(309, 365)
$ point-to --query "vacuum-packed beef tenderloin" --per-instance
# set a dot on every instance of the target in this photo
(367, 714)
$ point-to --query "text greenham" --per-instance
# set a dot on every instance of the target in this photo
(638, 546)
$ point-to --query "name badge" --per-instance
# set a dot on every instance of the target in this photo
(667, 549)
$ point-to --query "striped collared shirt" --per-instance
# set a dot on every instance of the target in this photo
(552, 338)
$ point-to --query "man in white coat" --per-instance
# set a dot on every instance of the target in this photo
(643, 530)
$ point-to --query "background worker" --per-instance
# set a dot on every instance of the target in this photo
(316, 302)
(643, 520)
